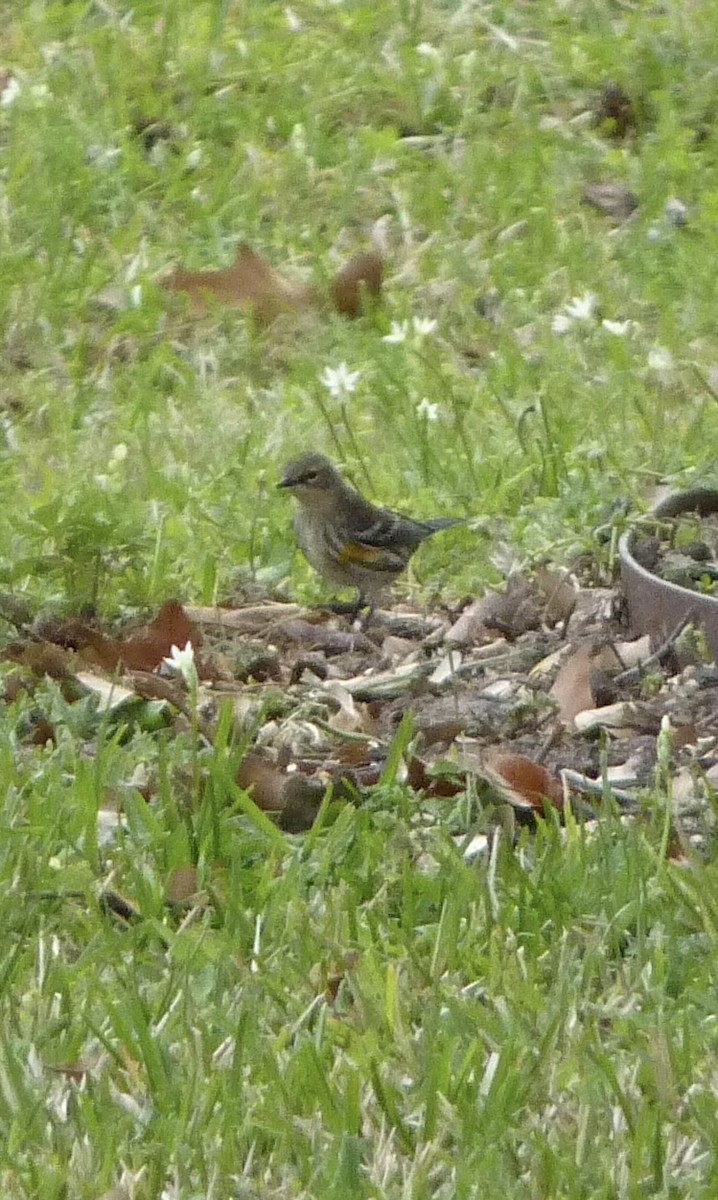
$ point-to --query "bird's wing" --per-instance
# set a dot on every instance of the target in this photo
(381, 539)
(375, 539)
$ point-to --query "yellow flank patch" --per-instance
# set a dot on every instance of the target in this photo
(363, 555)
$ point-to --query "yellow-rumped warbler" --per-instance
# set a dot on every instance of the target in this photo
(347, 539)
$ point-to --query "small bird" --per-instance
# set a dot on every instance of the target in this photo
(346, 538)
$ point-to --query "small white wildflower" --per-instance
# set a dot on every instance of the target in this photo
(194, 158)
(298, 140)
(427, 410)
(423, 326)
(183, 662)
(10, 92)
(561, 323)
(581, 307)
(293, 21)
(676, 211)
(617, 328)
(58, 1100)
(171, 1190)
(399, 333)
(136, 295)
(661, 360)
(340, 381)
(654, 233)
(426, 50)
(35, 1068)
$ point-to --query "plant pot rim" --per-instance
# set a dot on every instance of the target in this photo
(655, 605)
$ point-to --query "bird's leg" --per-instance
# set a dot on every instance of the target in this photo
(363, 609)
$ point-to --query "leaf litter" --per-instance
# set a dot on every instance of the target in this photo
(514, 721)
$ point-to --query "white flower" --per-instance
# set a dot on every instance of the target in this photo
(293, 21)
(420, 326)
(399, 333)
(561, 323)
(426, 50)
(182, 661)
(617, 328)
(119, 454)
(581, 307)
(661, 360)
(340, 381)
(423, 326)
(427, 410)
(194, 158)
(298, 140)
(10, 92)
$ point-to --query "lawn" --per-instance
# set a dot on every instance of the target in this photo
(361, 1010)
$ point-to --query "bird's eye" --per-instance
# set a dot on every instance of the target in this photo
(311, 477)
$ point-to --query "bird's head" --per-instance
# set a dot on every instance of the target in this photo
(310, 475)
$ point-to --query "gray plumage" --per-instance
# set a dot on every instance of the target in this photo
(347, 539)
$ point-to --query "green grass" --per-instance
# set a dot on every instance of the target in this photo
(541, 1027)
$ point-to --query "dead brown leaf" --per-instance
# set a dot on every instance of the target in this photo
(511, 613)
(252, 284)
(523, 783)
(572, 686)
(147, 647)
(558, 594)
(182, 884)
(264, 781)
(249, 283)
(437, 786)
(358, 280)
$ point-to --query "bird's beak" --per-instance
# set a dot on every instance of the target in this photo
(285, 483)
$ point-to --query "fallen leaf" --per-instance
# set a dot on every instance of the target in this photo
(633, 653)
(511, 613)
(359, 279)
(303, 796)
(446, 668)
(522, 782)
(438, 785)
(182, 884)
(614, 199)
(558, 594)
(249, 283)
(582, 674)
(110, 695)
(264, 780)
(349, 717)
(571, 688)
(147, 647)
(625, 719)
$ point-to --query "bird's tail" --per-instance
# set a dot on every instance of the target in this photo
(434, 524)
